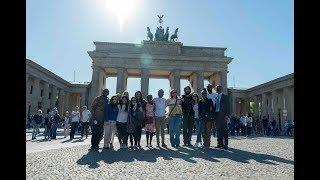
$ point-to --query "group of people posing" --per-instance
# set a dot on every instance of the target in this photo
(128, 117)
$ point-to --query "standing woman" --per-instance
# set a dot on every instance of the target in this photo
(121, 123)
(140, 104)
(205, 114)
(66, 127)
(174, 116)
(198, 122)
(110, 122)
(150, 126)
(134, 122)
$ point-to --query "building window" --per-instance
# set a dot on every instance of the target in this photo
(41, 93)
(49, 95)
(31, 89)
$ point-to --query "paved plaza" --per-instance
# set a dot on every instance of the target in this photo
(247, 158)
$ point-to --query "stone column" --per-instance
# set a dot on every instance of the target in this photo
(45, 98)
(255, 106)
(247, 105)
(200, 81)
(61, 102)
(197, 81)
(144, 82)
(67, 102)
(223, 81)
(286, 102)
(54, 93)
(35, 96)
(121, 80)
(96, 84)
(214, 80)
(27, 95)
(234, 105)
(264, 104)
(273, 103)
(175, 80)
(83, 99)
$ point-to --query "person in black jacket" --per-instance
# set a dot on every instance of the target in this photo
(36, 122)
(205, 114)
(221, 110)
(187, 116)
(55, 122)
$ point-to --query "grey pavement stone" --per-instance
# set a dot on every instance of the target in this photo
(247, 158)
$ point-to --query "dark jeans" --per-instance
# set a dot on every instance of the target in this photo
(199, 129)
(54, 127)
(243, 130)
(207, 133)
(74, 126)
(122, 133)
(84, 128)
(97, 134)
(214, 128)
(187, 125)
(249, 130)
(137, 135)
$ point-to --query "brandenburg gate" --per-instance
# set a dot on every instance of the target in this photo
(158, 58)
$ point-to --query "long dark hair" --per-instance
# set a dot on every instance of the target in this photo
(111, 102)
(140, 101)
(127, 103)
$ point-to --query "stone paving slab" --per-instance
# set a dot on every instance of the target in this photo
(247, 158)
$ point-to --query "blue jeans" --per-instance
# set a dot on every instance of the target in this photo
(199, 129)
(174, 130)
(35, 130)
(54, 130)
(74, 126)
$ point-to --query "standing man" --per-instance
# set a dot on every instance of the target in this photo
(55, 122)
(187, 116)
(85, 116)
(36, 121)
(160, 117)
(75, 119)
(220, 113)
(211, 95)
(97, 119)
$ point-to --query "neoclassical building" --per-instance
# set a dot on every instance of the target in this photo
(45, 90)
(274, 99)
(156, 59)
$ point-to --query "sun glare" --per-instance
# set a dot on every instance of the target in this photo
(122, 9)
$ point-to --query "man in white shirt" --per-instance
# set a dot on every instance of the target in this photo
(211, 95)
(85, 117)
(160, 117)
(75, 118)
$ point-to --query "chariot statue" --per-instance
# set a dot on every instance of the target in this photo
(150, 35)
(174, 36)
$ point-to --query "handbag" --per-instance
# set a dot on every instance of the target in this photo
(167, 118)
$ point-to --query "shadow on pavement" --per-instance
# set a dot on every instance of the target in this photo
(129, 155)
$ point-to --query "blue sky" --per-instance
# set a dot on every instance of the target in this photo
(257, 34)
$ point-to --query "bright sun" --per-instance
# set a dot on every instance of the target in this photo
(122, 9)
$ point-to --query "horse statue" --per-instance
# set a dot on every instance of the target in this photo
(166, 35)
(174, 36)
(150, 35)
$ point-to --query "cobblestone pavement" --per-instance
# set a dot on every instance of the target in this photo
(247, 158)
